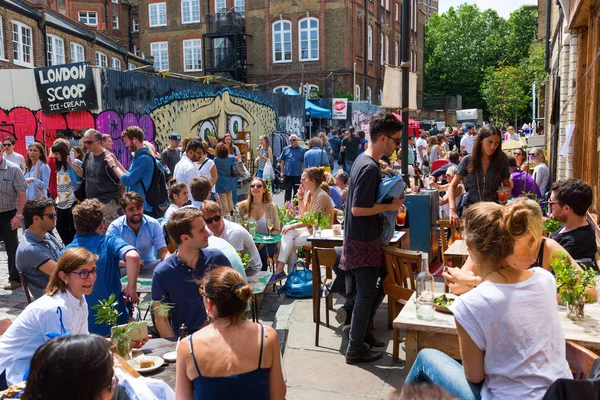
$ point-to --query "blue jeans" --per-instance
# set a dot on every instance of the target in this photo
(348, 166)
(367, 300)
(267, 251)
(259, 173)
(234, 192)
(433, 366)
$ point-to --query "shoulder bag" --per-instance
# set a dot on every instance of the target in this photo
(299, 282)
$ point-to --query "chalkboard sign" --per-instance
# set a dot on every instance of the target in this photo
(66, 87)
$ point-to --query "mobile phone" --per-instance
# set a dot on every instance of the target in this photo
(72, 156)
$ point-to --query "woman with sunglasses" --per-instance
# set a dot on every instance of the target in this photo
(259, 206)
(37, 171)
(62, 310)
(541, 173)
(519, 155)
(72, 367)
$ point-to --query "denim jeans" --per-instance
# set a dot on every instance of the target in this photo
(348, 166)
(369, 292)
(433, 366)
(259, 173)
(265, 252)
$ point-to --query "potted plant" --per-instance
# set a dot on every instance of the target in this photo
(571, 283)
(551, 225)
(245, 259)
(318, 220)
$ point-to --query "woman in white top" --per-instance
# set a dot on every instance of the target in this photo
(432, 149)
(62, 310)
(458, 193)
(541, 173)
(178, 197)
(208, 169)
(265, 153)
(511, 342)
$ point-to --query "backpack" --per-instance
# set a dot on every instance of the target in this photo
(157, 193)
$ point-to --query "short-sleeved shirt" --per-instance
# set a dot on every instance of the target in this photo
(170, 158)
(12, 182)
(579, 242)
(100, 181)
(110, 250)
(185, 171)
(315, 158)
(240, 239)
(478, 188)
(293, 158)
(523, 182)
(362, 234)
(225, 181)
(467, 142)
(175, 282)
(421, 143)
(32, 253)
(351, 146)
(16, 158)
(148, 240)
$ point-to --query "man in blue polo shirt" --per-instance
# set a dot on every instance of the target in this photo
(176, 280)
(291, 163)
(141, 231)
(88, 218)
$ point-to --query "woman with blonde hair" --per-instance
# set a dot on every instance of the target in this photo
(231, 358)
(541, 173)
(432, 149)
(62, 310)
(265, 153)
(259, 206)
(496, 320)
(37, 171)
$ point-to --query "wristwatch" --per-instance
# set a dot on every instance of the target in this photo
(19, 215)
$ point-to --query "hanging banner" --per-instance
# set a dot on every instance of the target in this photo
(392, 89)
(66, 87)
(339, 108)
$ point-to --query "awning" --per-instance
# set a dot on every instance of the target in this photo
(311, 109)
(413, 126)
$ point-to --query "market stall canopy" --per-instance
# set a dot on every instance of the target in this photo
(311, 109)
(413, 126)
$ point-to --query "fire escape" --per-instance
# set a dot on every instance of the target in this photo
(225, 45)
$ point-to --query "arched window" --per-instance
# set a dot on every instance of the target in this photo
(281, 89)
(282, 41)
(368, 94)
(310, 91)
(308, 43)
(370, 43)
(356, 93)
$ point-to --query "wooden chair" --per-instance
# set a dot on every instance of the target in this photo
(447, 242)
(399, 284)
(323, 257)
(580, 360)
(25, 287)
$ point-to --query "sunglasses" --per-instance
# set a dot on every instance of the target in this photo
(51, 215)
(113, 383)
(533, 154)
(88, 141)
(397, 141)
(256, 186)
(86, 273)
(518, 153)
(7, 144)
(216, 218)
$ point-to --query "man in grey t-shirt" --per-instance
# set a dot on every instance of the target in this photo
(9, 152)
(37, 253)
(171, 155)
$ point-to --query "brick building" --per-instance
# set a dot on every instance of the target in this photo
(35, 36)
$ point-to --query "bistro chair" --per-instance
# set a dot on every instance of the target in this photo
(446, 240)
(326, 258)
(437, 164)
(25, 287)
(399, 284)
(580, 360)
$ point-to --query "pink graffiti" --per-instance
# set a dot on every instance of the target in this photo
(360, 118)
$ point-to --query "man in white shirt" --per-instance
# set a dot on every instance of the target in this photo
(234, 233)
(421, 145)
(467, 142)
(186, 169)
(10, 154)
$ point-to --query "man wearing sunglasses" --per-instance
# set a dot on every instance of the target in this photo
(37, 253)
(9, 152)
(186, 169)
(291, 163)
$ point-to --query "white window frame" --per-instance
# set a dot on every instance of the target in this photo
(86, 19)
(115, 64)
(76, 49)
(413, 10)
(160, 10)
(22, 49)
(130, 66)
(397, 59)
(101, 59)
(115, 1)
(306, 91)
(308, 30)
(368, 94)
(240, 7)
(387, 5)
(357, 93)
(2, 55)
(136, 50)
(387, 49)
(115, 22)
(56, 50)
(189, 45)
(370, 43)
(281, 89)
(397, 12)
(160, 47)
(219, 5)
(135, 25)
(280, 28)
(190, 11)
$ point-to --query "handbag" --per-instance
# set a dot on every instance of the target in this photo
(234, 171)
(79, 190)
(268, 172)
(299, 282)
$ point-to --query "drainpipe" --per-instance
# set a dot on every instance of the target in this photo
(405, 63)
(106, 16)
(42, 26)
(548, 12)
(365, 44)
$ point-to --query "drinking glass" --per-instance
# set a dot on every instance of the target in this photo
(270, 225)
(340, 217)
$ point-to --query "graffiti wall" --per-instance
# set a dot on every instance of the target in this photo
(159, 106)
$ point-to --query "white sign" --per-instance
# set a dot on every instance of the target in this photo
(339, 109)
(567, 146)
(29, 140)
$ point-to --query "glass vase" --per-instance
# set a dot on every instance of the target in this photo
(576, 310)
(122, 344)
(316, 231)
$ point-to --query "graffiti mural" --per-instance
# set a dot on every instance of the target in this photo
(291, 125)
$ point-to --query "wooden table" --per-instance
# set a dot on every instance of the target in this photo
(258, 280)
(458, 253)
(441, 334)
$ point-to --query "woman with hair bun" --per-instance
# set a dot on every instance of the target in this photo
(310, 198)
(511, 342)
(230, 358)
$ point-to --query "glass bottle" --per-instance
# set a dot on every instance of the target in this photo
(425, 291)
(183, 331)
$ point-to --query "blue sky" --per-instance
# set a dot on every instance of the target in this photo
(502, 7)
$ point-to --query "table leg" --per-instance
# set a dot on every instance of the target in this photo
(316, 284)
(412, 348)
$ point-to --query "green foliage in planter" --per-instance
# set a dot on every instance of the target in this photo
(571, 282)
(551, 225)
(315, 218)
(245, 259)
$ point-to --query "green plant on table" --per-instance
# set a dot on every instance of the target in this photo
(120, 336)
(571, 283)
(161, 309)
(551, 225)
(318, 219)
(245, 257)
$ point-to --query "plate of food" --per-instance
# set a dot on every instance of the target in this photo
(441, 303)
(146, 363)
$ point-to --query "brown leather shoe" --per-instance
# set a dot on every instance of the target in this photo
(12, 285)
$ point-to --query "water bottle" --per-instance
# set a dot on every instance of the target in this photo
(252, 227)
(183, 331)
(425, 291)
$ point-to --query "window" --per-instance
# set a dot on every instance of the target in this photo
(22, 44)
(101, 59)
(413, 10)
(397, 53)
(158, 14)
(2, 55)
(219, 5)
(310, 91)
(192, 55)
(136, 50)
(381, 48)
(309, 39)
(387, 5)
(77, 53)
(282, 41)
(56, 50)
(357, 93)
(130, 66)
(115, 1)
(397, 12)
(220, 50)
(160, 52)
(370, 43)
(116, 63)
(115, 20)
(368, 94)
(88, 18)
(281, 89)
(190, 11)
(135, 25)
(240, 7)
(387, 49)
